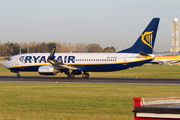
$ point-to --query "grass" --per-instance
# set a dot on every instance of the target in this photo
(1, 61)
(45, 101)
(146, 71)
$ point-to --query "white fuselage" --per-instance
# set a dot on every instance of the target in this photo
(84, 61)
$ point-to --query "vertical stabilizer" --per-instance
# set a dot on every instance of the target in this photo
(145, 42)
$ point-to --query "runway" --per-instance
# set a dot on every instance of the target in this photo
(148, 81)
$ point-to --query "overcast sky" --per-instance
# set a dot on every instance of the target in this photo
(104, 22)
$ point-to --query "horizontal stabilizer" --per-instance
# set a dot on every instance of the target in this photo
(143, 55)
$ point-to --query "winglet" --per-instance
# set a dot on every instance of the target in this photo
(52, 57)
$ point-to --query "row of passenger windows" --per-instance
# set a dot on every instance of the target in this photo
(95, 59)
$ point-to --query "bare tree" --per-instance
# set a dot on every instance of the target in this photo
(93, 48)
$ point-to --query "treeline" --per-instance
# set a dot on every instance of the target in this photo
(8, 49)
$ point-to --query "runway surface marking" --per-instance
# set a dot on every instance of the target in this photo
(139, 81)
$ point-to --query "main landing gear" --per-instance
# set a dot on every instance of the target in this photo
(72, 75)
(85, 75)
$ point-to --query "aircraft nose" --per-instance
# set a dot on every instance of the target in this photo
(5, 64)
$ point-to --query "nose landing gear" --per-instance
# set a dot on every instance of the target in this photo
(18, 75)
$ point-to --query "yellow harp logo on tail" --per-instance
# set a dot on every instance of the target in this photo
(147, 38)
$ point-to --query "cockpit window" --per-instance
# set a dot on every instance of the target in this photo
(9, 59)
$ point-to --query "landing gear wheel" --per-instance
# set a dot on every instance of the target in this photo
(85, 75)
(17, 75)
(70, 75)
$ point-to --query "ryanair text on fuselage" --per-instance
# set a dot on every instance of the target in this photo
(42, 59)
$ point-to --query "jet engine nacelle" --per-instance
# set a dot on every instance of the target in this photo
(47, 70)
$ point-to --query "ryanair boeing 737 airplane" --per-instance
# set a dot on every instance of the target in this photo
(82, 63)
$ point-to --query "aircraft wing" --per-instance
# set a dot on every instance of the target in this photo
(57, 64)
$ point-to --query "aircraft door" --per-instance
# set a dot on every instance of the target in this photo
(17, 61)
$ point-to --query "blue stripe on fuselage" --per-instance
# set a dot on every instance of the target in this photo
(110, 67)
(91, 68)
(27, 68)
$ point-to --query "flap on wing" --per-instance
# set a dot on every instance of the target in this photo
(59, 65)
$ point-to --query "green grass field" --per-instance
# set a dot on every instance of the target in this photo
(63, 101)
(1, 61)
(47, 101)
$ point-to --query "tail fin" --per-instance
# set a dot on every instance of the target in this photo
(145, 42)
(51, 56)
